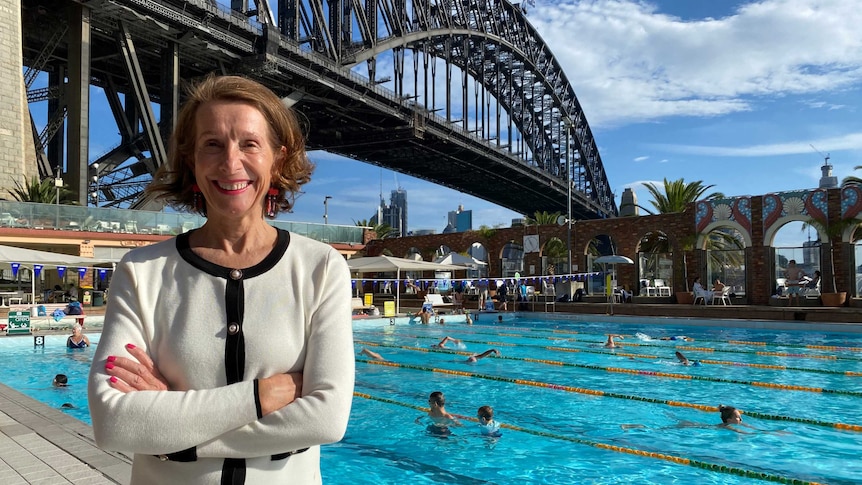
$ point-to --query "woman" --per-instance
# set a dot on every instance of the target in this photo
(77, 340)
(239, 332)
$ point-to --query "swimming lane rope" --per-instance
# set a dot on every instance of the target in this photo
(591, 392)
(648, 356)
(671, 375)
(771, 477)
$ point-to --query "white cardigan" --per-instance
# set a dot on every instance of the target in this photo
(290, 313)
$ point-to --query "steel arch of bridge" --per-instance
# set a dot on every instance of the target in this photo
(305, 51)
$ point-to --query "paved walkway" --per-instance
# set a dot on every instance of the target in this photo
(42, 445)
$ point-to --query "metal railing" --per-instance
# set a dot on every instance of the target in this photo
(103, 219)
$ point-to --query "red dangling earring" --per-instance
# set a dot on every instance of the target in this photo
(271, 202)
(198, 199)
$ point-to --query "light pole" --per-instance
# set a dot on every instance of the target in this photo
(326, 209)
(95, 193)
(58, 182)
(568, 125)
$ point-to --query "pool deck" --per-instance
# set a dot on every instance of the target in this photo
(42, 445)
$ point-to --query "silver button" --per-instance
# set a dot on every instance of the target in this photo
(235, 274)
(163, 457)
(233, 329)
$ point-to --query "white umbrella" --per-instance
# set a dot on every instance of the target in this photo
(373, 264)
(612, 259)
(460, 259)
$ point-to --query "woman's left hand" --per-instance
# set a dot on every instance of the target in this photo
(138, 374)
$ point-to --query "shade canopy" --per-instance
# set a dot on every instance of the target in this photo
(460, 259)
(373, 264)
(30, 257)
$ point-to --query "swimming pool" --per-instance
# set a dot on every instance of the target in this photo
(576, 412)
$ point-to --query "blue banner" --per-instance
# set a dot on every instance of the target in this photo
(61, 270)
(82, 272)
(37, 269)
(103, 273)
(15, 267)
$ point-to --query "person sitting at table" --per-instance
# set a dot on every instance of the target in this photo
(72, 292)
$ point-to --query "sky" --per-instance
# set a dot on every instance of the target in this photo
(747, 96)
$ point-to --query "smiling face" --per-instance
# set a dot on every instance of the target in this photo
(233, 159)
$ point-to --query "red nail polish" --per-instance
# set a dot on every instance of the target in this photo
(112, 358)
(113, 379)
(109, 366)
(130, 346)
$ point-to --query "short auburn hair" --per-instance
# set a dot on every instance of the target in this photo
(173, 181)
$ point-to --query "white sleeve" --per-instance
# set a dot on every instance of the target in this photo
(154, 422)
(320, 416)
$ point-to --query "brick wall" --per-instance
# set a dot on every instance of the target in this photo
(626, 233)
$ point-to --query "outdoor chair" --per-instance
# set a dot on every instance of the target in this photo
(723, 297)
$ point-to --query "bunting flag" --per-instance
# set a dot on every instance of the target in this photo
(102, 274)
(37, 269)
(15, 267)
(82, 272)
(61, 270)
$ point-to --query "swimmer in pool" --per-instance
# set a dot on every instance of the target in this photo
(610, 343)
(439, 417)
(442, 344)
(684, 361)
(475, 357)
(678, 337)
(488, 426)
(60, 380)
(372, 354)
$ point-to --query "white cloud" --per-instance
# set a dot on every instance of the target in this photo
(629, 63)
(850, 141)
(641, 159)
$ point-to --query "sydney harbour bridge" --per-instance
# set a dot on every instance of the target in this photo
(462, 93)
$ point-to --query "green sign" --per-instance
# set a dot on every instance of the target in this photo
(19, 322)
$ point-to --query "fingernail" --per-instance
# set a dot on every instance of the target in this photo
(112, 358)
(130, 346)
(113, 379)
(109, 366)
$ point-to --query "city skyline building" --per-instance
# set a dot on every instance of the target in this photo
(394, 213)
(459, 220)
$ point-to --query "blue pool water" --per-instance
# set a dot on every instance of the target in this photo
(572, 410)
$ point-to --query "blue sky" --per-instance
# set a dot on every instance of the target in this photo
(733, 93)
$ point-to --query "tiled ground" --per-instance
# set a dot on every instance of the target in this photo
(44, 446)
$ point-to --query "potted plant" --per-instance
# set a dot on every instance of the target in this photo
(830, 296)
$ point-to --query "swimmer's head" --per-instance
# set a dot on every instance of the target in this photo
(60, 380)
(437, 399)
(729, 414)
(485, 414)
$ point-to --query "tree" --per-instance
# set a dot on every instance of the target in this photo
(674, 197)
(851, 179)
(677, 194)
(382, 231)
(542, 218)
(40, 192)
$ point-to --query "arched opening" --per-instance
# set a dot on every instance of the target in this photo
(655, 265)
(601, 245)
(725, 248)
(554, 256)
(511, 259)
(800, 243)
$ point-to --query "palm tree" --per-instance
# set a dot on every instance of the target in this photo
(851, 179)
(543, 218)
(677, 194)
(382, 231)
(674, 197)
(41, 192)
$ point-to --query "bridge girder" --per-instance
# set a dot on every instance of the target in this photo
(309, 56)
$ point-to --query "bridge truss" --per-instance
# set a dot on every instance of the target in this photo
(462, 93)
